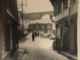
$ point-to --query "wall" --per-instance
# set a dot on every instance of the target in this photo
(8, 16)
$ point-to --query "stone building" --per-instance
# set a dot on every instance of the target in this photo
(66, 12)
(41, 27)
(8, 27)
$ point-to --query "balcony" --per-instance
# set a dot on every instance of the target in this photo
(65, 13)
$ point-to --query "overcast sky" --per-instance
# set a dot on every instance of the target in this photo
(36, 6)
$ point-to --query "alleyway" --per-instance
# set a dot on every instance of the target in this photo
(40, 49)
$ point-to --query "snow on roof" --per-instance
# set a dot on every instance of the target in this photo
(45, 19)
(40, 21)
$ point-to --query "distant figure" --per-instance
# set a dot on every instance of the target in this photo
(33, 36)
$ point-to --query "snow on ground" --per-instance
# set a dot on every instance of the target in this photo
(40, 49)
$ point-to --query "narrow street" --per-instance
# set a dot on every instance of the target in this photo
(40, 49)
(39, 29)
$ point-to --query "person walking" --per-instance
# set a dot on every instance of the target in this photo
(33, 36)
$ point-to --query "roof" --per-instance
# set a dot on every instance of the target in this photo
(40, 21)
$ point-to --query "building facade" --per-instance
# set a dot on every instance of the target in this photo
(66, 12)
(9, 27)
(41, 27)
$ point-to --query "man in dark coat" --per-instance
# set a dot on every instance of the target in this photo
(33, 36)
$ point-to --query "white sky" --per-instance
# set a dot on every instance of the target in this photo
(36, 6)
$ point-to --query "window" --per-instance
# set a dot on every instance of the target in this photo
(12, 0)
(62, 6)
(65, 4)
(74, 1)
(58, 33)
(42, 27)
(68, 3)
(48, 26)
(37, 27)
(48, 31)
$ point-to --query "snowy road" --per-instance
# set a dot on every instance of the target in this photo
(40, 49)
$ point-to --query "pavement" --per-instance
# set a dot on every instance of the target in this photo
(69, 55)
(40, 49)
